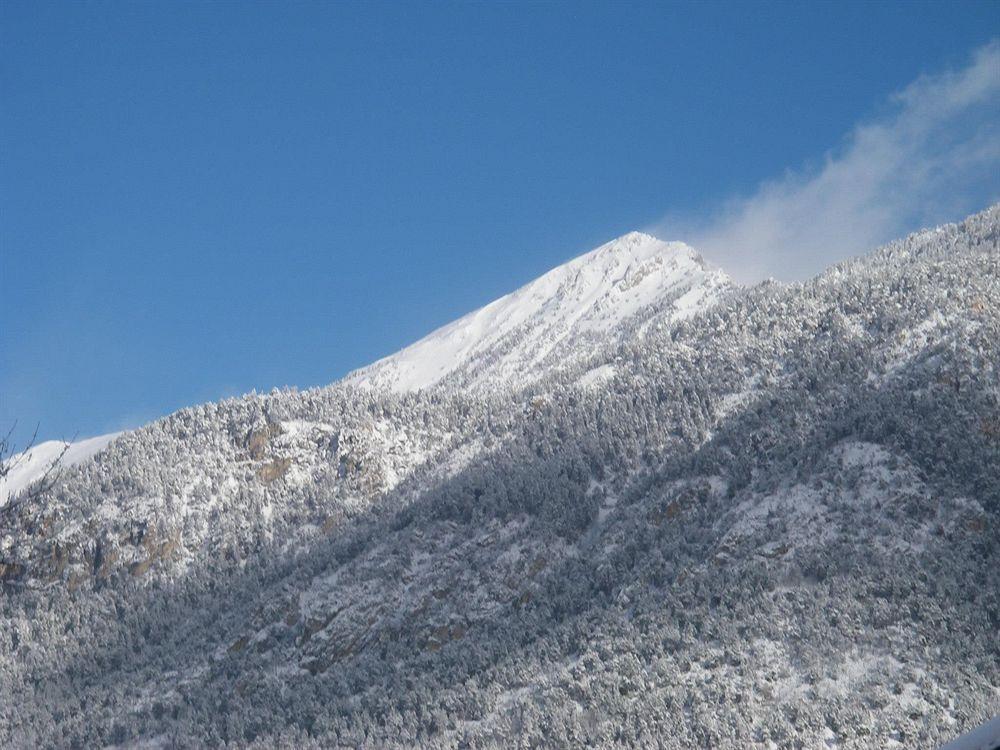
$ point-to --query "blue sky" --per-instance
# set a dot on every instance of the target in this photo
(202, 199)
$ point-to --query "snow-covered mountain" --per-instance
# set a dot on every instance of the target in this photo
(585, 305)
(597, 298)
(656, 509)
(33, 464)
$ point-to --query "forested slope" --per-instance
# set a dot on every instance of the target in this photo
(771, 522)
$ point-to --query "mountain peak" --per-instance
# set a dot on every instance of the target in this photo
(517, 338)
(640, 246)
(633, 241)
(634, 237)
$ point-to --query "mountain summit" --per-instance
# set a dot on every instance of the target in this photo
(603, 294)
(601, 297)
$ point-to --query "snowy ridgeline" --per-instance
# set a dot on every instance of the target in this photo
(51, 456)
(601, 295)
(605, 293)
(696, 516)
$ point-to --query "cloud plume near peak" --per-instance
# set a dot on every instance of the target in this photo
(934, 157)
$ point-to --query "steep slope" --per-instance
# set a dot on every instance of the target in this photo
(589, 301)
(773, 523)
(33, 464)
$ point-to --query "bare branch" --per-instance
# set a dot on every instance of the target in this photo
(10, 459)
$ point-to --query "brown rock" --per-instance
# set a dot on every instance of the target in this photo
(536, 566)
(976, 525)
(258, 440)
(10, 571)
(141, 568)
(238, 645)
(274, 470)
(672, 510)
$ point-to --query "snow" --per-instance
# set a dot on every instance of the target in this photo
(918, 344)
(736, 402)
(592, 294)
(985, 737)
(31, 465)
(596, 376)
(813, 513)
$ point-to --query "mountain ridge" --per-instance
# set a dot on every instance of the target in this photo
(593, 293)
(746, 535)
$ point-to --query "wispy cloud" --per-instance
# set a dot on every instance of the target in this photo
(934, 157)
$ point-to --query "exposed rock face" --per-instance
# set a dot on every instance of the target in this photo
(259, 439)
(274, 470)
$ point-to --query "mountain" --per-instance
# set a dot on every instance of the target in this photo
(766, 520)
(595, 300)
(604, 296)
(30, 466)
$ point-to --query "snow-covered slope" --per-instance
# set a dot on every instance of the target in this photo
(742, 529)
(543, 324)
(32, 464)
(985, 737)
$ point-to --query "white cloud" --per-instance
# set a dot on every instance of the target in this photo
(933, 158)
